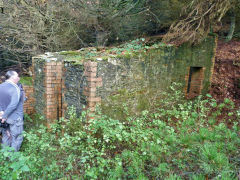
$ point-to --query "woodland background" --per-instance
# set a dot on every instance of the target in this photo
(180, 139)
(30, 27)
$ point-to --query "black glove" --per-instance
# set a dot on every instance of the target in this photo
(4, 124)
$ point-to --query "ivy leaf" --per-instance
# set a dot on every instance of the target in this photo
(14, 175)
(25, 168)
(209, 95)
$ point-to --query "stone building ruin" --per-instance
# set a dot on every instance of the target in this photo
(66, 79)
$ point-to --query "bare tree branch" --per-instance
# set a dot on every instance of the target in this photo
(195, 24)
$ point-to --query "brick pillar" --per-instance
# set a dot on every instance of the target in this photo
(92, 83)
(53, 94)
(29, 104)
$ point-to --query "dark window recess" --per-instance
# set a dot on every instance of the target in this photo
(194, 81)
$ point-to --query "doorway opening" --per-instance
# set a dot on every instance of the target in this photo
(194, 84)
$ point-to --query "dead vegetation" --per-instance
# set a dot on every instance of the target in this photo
(196, 20)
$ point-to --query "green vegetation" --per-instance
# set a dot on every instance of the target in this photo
(25, 80)
(71, 25)
(130, 48)
(178, 140)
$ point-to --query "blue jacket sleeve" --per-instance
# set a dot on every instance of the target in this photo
(12, 105)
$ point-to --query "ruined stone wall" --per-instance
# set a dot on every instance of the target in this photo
(158, 68)
(59, 84)
(134, 78)
(74, 82)
(80, 83)
(38, 66)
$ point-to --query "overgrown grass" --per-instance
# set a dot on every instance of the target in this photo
(26, 80)
(130, 48)
(179, 140)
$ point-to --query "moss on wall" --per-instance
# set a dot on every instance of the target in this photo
(128, 50)
(25, 80)
(74, 82)
(39, 86)
(133, 74)
(138, 80)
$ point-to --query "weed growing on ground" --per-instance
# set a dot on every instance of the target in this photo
(180, 139)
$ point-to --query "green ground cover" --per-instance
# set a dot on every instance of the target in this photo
(127, 49)
(180, 139)
(25, 80)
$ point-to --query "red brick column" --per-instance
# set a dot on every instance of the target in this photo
(53, 94)
(29, 104)
(93, 82)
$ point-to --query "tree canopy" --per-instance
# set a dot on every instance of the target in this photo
(29, 27)
(198, 18)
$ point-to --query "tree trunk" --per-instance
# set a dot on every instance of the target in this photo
(232, 27)
(101, 38)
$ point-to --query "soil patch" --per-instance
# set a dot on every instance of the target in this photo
(226, 76)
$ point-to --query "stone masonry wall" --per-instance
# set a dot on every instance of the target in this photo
(73, 83)
(158, 68)
(38, 66)
(59, 83)
(138, 79)
(80, 84)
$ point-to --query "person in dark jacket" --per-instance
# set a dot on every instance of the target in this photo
(11, 104)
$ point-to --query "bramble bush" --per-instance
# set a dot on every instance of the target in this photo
(179, 140)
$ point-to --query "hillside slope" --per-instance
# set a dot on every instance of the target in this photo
(226, 77)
